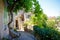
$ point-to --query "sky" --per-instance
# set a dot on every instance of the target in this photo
(50, 7)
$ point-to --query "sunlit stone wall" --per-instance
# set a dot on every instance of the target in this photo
(1, 17)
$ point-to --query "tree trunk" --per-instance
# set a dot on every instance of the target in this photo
(10, 21)
(12, 33)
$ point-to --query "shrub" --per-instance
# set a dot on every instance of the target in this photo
(15, 30)
(47, 33)
(5, 38)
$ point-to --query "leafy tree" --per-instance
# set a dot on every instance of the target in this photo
(58, 18)
(15, 5)
(39, 18)
(27, 5)
(33, 6)
(51, 23)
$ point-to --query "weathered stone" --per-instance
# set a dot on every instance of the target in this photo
(14, 34)
(1, 17)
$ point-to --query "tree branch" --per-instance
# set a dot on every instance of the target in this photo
(13, 5)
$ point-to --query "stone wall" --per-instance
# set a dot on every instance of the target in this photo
(1, 17)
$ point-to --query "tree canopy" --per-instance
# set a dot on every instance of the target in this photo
(28, 6)
(15, 5)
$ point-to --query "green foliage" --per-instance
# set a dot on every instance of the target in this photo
(26, 4)
(40, 20)
(47, 33)
(37, 7)
(51, 23)
(58, 18)
(15, 30)
(39, 17)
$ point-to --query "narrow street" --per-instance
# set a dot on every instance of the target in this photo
(23, 35)
(26, 36)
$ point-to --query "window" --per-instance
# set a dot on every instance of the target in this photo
(22, 17)
(17, 24)
(28, 16)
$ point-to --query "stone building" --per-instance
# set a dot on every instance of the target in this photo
(20, 19)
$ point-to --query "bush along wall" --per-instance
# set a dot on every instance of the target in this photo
(46, 33)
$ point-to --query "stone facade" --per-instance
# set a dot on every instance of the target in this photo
(20, 23)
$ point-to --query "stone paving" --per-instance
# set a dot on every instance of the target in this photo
(25, 36)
